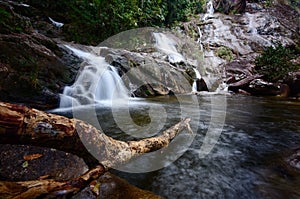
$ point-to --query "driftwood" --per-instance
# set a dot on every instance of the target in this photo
(49, 187)
(23, 125)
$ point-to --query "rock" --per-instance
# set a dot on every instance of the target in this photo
(33, 67)
(293, 160)
(293, 81)
(146, 74)
(242, 84)
(113, 187)
(201, 85)
(261, 88)
(239, 75)
(230, 6)
(34, 70)
(48, 162)
(284, 90)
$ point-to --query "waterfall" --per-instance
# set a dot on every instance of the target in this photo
(97, 82)
(168, 46)
(198, 77)
(210, 10)
(252, 28)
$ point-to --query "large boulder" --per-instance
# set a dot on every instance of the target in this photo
(148, 75)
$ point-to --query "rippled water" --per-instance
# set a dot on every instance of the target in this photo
(246, 162)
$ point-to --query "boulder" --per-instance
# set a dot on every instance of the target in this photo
(201, 85)
(261, 88)
(146, 74)
(33, 70)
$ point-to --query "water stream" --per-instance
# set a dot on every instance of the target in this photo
(246, 162)
(168, 47)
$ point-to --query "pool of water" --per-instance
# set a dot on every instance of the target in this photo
(247, 160)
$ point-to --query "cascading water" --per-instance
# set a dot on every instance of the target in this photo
(198, 77)
(97, 82)
(210, 10)
(208, 56)
(252, 28)
(168, 46)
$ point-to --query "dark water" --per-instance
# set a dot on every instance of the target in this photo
(248, 160)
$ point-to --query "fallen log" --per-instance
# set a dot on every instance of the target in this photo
(49, 187)
(23, 125)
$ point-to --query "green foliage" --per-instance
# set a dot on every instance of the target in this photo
(92, 21)
(10, 22)
(4, 14)
(4, 18)
(225, 53)
(275, 63)
(180, 10)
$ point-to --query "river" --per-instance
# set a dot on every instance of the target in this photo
(248, 160)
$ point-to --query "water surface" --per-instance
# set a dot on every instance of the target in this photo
(247, 161)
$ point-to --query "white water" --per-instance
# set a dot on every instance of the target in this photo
(97, 82)
(168, 46)
(251, 24)
(210, 10)
(198, 76)
(254, 35)
(57, 24)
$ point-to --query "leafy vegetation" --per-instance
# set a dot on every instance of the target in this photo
(275, 63)
(225, 53)
(92, 21)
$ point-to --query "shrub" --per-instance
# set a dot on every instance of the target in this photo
(275, 62)
(225, 53)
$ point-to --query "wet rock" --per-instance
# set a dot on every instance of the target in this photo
(239, 75)
(293, 81)
(112, 187)
(201, 85)
(34, 70)
(33, 67)
(146, 74)
(284, 90)
(16, 164)
(239, 69)
(294, 160)
(261, 87)
(242, 84)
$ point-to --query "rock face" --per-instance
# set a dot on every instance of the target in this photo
(33, 67)
(234, 41)
(147, 74)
